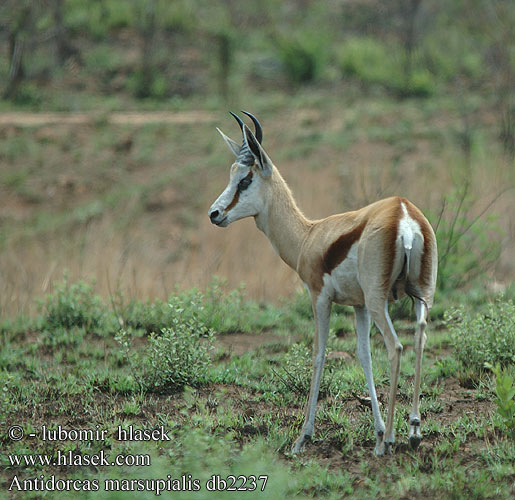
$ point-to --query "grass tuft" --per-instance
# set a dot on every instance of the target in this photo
(485, 337)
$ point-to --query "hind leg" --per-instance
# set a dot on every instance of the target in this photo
(363, 334)
(394, 348)
(420, 339)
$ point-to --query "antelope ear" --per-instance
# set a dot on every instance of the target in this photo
(233, 145)
(262, 159)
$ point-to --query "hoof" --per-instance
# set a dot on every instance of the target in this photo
(379, 449)
(414, 441)
(300, 444)
(384, 449)
(389, 448)
(415, 435)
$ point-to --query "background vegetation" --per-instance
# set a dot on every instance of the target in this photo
(111, 312)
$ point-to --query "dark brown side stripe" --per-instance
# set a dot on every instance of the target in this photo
(390, 236)
(339, 249)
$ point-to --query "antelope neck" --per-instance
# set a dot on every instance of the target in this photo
(283, 222)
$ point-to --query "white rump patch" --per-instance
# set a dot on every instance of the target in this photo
(407, 230)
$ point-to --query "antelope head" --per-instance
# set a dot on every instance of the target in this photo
(245, 195)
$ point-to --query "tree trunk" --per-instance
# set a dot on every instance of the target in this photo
(147, 57)
(16, 46)
(224, 43)
(63, 45)
(410, 37)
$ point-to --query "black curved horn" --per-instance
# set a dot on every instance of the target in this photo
(257, 126)
(238, 119)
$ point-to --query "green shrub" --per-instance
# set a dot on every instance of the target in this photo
(101, 60)
(221, 311)
(58, 336)
(147, 316)
(119, 15)
(468, 245)
(483, 338)
(28, 94)
(374, 62)
(451, 54)
(99, 18)
(302, 57)
(75, 305)
(234, 311)
(178, 356)
(300, 305)
(367, 59)
(419, 84)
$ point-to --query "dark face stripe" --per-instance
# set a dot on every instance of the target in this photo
(236, 196)
(234, 201)
(339, 249)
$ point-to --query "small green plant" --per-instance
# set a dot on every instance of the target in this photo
(296, 373)
(7, 386)
(143, 83)
(443, 368)
(505, 392)
(132, 407)
(485, 338)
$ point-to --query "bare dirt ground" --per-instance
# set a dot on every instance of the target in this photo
(22, 119)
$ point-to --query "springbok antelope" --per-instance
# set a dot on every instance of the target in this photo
(363, 258)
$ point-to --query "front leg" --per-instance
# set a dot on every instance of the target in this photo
(322, 313)
(363, 334)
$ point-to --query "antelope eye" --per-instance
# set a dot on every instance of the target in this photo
(244, 183)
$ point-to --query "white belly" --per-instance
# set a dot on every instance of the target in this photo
(342, 285)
